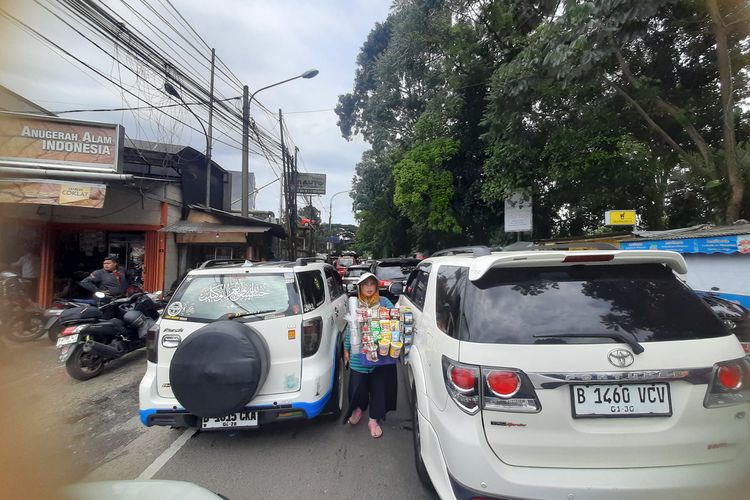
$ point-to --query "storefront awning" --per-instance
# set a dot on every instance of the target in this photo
(186, 227)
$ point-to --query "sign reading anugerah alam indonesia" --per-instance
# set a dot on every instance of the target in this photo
(35, 141)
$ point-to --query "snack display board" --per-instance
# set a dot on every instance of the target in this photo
(379, 336)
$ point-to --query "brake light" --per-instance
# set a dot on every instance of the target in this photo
(462, 383)
(729, 384)
(730, 376)
(384, 283)
(152, 339)
(746, 347)
(588, 258)
(312, 333)
(464, 379)
(70, 330)
(503, 384)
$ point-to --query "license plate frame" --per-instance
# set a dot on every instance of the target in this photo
(639, 409)
(239, 420)
(67, 340)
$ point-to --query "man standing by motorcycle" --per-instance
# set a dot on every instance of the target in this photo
(109, 279)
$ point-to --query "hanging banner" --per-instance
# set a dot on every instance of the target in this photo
(35, 141)
(619, 218)
(52, 192)
(721, 244)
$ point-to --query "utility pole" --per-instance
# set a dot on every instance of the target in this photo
(210, 131)
(245, 151)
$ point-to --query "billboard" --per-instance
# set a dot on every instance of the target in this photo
(619, 218)
(49, 192)
(311, 183)
(35, 141)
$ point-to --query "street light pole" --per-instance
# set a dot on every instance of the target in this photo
(245, 130)
(330, 208)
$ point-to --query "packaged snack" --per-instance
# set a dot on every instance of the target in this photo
(373, 313)
(408, 318)
(383, 347)
(408, 329)
(396, 349)
(384, 313)
(374, 324)
(395, 313)
(395, 335)
(407, 339)
(361, 315)
(385, 325)
(395, 325)
(364, 327)
(386, 336)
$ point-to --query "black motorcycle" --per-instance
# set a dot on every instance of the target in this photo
(21, 319)
(91, 336)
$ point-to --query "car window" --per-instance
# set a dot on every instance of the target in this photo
(448, 295)
(346, 261)
(334, 283)
(355, 273)
(392, 272)
(519, 306)
(311, 289)
(417, 285)
(208, 297)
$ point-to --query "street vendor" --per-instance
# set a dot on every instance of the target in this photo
(109, 279)
(373, 387)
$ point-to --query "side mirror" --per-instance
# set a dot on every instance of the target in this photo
(396, 288)
(351, 288)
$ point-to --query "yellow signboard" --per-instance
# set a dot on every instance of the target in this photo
(49, 192)
(619, 218)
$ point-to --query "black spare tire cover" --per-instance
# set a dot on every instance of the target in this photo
(219, 368)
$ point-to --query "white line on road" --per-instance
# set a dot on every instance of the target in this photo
(162, 459)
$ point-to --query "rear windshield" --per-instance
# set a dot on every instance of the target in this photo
(355, 273)
(393, 271)
(346, 261)
(516, 306)
(208, 297)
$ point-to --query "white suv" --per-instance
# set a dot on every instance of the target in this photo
(573, 375)
(241, 345)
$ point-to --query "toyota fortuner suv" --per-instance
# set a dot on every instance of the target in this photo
(573, 375)
(241, 345)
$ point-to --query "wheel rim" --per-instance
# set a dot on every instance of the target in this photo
(89, 363)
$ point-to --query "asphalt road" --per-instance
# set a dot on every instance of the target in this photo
(56, 431)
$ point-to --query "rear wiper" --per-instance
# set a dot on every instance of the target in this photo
(625, 339)
(244, 315)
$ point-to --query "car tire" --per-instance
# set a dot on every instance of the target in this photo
(424, 476)
(220, 368)
(335, 404)
(83, 365)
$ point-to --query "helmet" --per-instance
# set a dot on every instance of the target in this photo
(133, 318)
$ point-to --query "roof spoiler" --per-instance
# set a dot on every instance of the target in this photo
(224, 262)
(476, 251)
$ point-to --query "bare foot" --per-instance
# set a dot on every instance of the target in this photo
(375, 430)
(356, 415)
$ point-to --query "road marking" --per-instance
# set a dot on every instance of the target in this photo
(162, 459)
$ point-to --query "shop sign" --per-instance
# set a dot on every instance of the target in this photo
(311, 183)
(721, 244)
(619, 218)
(51, 192)
(518, 213)
(32, 141)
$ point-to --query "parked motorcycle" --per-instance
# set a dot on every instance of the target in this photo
(91, 336)
(21, 318)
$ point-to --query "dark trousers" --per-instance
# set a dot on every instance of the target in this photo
(376, 391)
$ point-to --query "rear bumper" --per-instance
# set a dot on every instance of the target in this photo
(458, 459)
(307, 403)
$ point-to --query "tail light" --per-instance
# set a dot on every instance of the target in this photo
(384, 283)
(498, 389)
(312, 332)
(152, 342)
(729, 385)
(746, 347)
(70, 330)
(462, 382)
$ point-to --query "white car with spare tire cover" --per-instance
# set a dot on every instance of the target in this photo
(241, 345)
(575, 375)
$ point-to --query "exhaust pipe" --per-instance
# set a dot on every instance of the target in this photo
(103, 350)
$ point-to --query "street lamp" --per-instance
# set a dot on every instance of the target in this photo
(330, 208)
(310, 73)
(169, 89)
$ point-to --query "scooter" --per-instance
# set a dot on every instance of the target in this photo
(21, 318)
(102, 333)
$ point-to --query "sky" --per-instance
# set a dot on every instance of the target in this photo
(259, 42)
